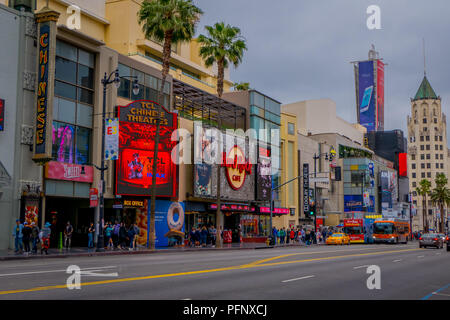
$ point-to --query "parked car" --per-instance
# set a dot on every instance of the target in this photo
(448, 242)
(431, 240)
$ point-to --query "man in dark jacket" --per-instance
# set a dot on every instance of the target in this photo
(123, 237)
(26, 237)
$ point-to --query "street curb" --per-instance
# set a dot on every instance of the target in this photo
(117, 253)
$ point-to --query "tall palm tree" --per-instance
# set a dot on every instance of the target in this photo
(169, 22)
(223, 45)
(440, 196)
(424, 190)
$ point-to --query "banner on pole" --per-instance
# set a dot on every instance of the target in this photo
(112, 139)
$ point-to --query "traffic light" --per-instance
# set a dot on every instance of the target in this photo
(312, 210)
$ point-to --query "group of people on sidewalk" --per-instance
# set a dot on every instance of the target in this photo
(117, 236)
(300, 235)
(202, 237)
(28, 237)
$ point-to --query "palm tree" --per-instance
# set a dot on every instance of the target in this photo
(424, 190)
(169, 22)
(223, 45)
(241, 86)
(441, 196)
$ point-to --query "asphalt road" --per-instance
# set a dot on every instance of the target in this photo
(316, 272)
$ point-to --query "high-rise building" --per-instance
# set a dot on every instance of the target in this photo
(369, 84)
(427, 149)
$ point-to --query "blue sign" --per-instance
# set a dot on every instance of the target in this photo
(355, 203)
(367, 108)
(169, 223)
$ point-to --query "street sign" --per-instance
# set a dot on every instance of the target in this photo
(325, 180)
(306, 188)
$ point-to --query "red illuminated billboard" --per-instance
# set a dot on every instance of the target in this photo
(402, 164)
(136, 148)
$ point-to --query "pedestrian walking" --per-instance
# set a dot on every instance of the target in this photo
(18, 235)
(131, 236)
(26, 237)
(192, 237)
(292, 235)
(204, 236)
(122, 237)
(197, 237)
(68, 231)
(91, 233)
(115, 234)
(34, 236)
(108, 236)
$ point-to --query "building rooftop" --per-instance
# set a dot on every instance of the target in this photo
(425, 90)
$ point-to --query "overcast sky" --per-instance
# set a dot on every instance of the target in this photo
(302, 49)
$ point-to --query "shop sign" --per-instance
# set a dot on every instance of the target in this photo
(306, 188)
(112, 139)
(274, 210)
(237, 167)
(93, 197)
(133, 203)
(232, 207)
(137, 133)
(70, 172)
(2, 114)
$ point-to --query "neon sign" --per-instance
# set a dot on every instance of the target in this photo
(42, 92)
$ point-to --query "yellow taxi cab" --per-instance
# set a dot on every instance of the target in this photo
(338, 238)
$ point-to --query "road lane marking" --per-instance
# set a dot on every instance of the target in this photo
(441, 294)
(305, 253)
(45, 288)
(438, 253)
(305, 277)
(420, 256)
(359, 267)
(435, 292)
(54, 271)
(398, 260)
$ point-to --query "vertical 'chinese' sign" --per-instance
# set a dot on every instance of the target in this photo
(42, 90)
(45, 74)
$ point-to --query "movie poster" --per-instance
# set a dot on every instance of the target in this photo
(136, 149)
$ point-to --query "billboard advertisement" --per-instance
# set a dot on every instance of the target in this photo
(112, 139)
(403, 164)
(263, 175)
(169, 223)
(354, 203)
(136, 145)
(203, 171)
(367, 98)
(389, 194)
(380, 94)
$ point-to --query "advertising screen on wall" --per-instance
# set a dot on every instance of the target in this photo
(380, 94)
(2, 114)
(263, 176)
(367, 98)
(403, 164)
(137, 122)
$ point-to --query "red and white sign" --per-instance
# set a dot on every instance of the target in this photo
(70, 172)
(93, 197)
(274, 210)
(237, 167)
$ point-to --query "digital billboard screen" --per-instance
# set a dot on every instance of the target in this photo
(380, 94)
(2, 114)
(134, 168)
(366, 108)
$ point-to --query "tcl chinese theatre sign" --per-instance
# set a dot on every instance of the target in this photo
(137, 122)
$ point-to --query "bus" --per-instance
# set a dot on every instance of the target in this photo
(354, 228)
(391, 231)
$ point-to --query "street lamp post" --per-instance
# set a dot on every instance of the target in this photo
(105, 82)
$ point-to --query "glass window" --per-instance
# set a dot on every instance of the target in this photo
(65, 90)
(254, 110)
(66, 50)
(151, 94)
(86, 58)
(84, 115)
(64, 110)
(273, 117)
(85, 96)
(272, 106)
(257, 99)
(85, 76)
(82, 146)
(428, 156)
(124, 89)
(140, 76)
(291, 128)
(63, 142)
(151, 82)
(65, 70)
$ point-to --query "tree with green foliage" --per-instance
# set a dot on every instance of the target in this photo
(423, 190)
(241, 86)
(440, 196)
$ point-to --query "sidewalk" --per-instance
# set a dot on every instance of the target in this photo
(85, 252)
